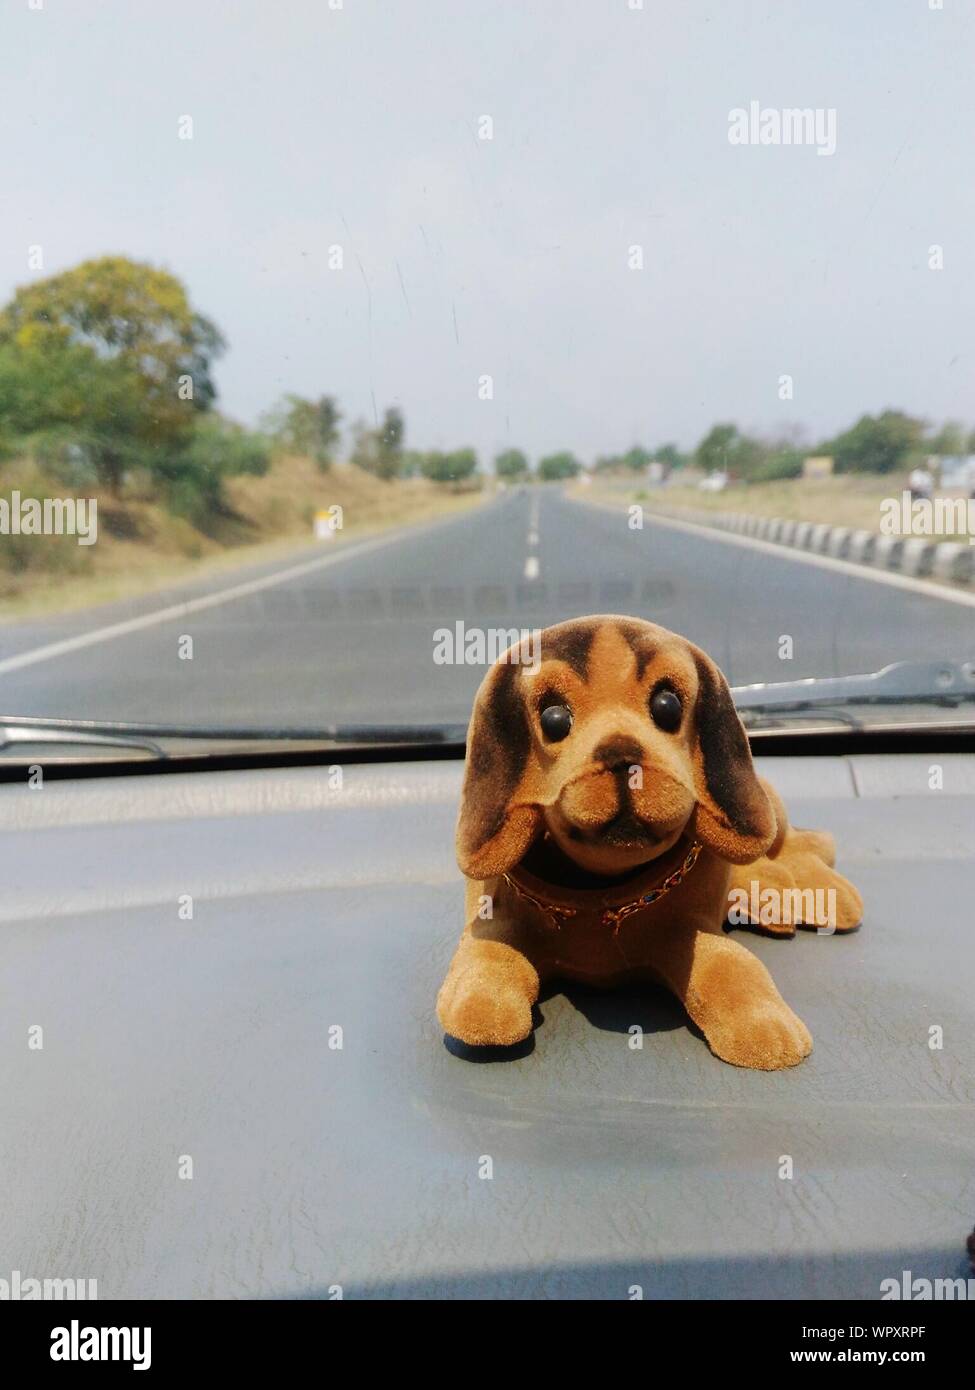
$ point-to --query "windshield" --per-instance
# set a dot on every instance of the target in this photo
(342, 346)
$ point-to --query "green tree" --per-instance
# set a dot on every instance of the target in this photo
(390, 443)
(877, 444)
(66, 389)
(363, 446)
(511, 463)
(717, 449)
(778, 461)
(670, 455)
(637, 459)
(306, 427)
(380, 451)
(329, 417)
(449, 467)
(556, 466)
(121, 328)
(218, 449)
(725, 448)
(750, 458)
(950, 441)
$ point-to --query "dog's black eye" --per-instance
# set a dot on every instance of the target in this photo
(665, 708)
(556, 721)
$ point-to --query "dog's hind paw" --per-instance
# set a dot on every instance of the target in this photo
(833, 896)
(796, 889)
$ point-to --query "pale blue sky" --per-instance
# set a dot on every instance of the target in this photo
(359, 126)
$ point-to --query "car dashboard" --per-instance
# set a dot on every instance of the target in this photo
(223, 1077)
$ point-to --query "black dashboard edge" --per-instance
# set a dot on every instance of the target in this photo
(764, 743)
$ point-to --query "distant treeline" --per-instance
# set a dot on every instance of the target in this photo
(106, 373)
(882, 443)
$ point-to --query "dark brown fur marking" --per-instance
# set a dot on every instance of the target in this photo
(497, 751)
(639, 644)
(724, 746)
(572, 647)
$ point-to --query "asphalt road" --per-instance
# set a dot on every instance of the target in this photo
(352, 640)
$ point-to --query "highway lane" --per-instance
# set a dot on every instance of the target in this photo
(353, 641)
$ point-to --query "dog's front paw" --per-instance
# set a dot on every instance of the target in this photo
(766, 1035)
(484, 1014)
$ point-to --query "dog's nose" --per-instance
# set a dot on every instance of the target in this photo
(618, 752)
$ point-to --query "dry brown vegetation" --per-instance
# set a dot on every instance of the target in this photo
(141, 546)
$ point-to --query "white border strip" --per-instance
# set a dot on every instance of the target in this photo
(197, 605)
(786, 552)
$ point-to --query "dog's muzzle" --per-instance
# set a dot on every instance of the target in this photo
(600, 805)
(606, 805)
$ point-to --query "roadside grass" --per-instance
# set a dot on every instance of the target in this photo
(142, 547)
(847, 499)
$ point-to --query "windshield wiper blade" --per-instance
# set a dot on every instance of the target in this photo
(903, 682)
(31, 730)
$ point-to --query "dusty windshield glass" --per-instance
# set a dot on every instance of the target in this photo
(342, 345)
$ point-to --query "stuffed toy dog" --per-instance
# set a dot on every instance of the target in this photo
(608, 811)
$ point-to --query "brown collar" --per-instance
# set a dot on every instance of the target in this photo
(543, 896)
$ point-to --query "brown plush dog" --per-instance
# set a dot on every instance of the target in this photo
(609, 802)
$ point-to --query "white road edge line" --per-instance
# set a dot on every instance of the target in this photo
(786, 552)
(197, 605)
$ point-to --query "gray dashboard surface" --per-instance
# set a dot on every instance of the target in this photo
(316, 1168)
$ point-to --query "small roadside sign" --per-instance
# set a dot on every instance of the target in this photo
(324, 526)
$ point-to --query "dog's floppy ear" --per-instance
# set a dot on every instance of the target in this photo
(734, 816)
(494, 831)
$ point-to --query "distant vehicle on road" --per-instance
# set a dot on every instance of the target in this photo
(921, 482)
(714, 482)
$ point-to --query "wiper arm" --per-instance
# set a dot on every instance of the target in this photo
(59, 734)
(17, 733)
(903, 682)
